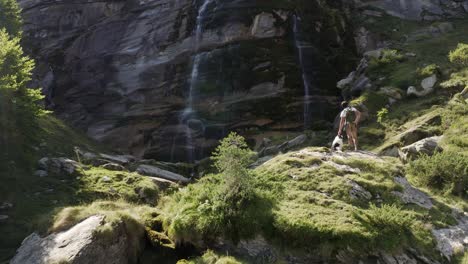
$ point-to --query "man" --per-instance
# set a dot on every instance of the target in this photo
(349, 120)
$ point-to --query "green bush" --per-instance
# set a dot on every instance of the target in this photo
(210, 258)
(428, 70)
(382, 115)
(389, 56)
(446, 171)
(459, 56)
(15, 73)
(457, 80)
(221, 205)
(10, 17)
(390, 226)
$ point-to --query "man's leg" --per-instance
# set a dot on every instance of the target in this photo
(354, 133)
(349, 135)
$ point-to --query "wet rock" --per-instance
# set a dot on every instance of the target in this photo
(426, 146)
(4, 218)
(81, 244)
(411, 195)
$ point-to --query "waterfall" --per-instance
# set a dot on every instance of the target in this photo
(305, 80)
(189, 114)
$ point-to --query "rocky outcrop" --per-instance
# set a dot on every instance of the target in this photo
(120, 70)
(80, 244)
(453, 239)
(419, 9)
(58, 166)
(149, 170)
(411, 195)
(426, 146)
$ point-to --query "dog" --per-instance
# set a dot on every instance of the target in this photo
(337, 144)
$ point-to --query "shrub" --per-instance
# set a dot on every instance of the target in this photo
(459, 56)
(10, 17)
(224, 204)
(389, 56)
(15, 74)
(446, 171)
(382, 115)
(210, 258)
(428, 70)
(390, 225)
(457, 80)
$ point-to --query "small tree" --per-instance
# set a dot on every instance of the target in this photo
(10, 17)
(459, 56)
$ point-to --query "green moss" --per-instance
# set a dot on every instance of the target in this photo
(99, 183)
(210, 257)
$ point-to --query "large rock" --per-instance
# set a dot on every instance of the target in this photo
(59, 166)
(149, 170)
(426, 146)
(81, 244)
(411, 195)
(453, 239)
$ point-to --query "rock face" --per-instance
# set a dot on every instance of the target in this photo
(421, 9)
(80, 244)
(124, 71)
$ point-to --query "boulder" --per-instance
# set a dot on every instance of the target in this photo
(119, 159)
(411, 195)
(40, 173)
(81, 244)
(60, 166)
(113, 167)
(6, 205)
(346, 81)
(357, 192)
(296, 142)
(425, 146)
(148, 170)
(453, 239)
(429, 82)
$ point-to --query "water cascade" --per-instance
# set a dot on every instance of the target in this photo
(300, 46)
(188, 115)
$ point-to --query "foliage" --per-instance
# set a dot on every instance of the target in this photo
(372, 100)
(391, 226)
(429, 70)
(459, 56)
(10, 17)
(15, 73)
(389, 56)
(457, 80)
(446, 171)
(225, 204)
(210, 257)
(382, 115)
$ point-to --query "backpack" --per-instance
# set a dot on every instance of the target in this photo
(350, 115)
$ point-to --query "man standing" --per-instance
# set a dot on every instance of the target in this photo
(349, 120)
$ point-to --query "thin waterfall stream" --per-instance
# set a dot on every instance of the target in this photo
(189, 114)
(305, 79)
